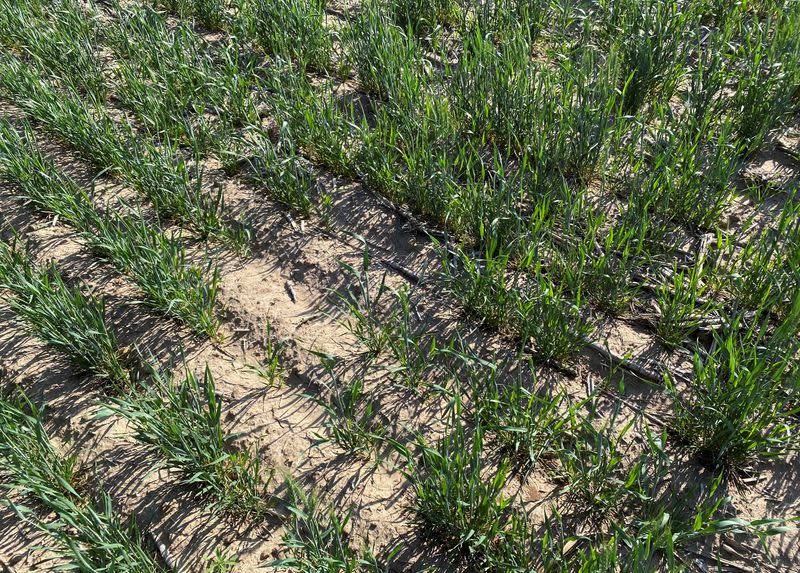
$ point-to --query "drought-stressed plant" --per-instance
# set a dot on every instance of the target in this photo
(63, 317)
(181, 421)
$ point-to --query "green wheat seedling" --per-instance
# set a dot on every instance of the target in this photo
(281, 170)
(609, 270)
(293, 28)
(681, 149)
(180, 421)
(592, 463)
(159, 173)
(505, 19)
(89, 538)
(410, 343)
(767, 55)
(679, 310)
(317, 539)
(410, 155)
(361, 307)
(156, 263)
(588, 114)
(555, 324)
(320, 125)
(352, 415)
(213, 14)
(456, 503)
(61, 37)
(529, 426)
(386, 59)
(501, 94)
(735, 413)
(173, 80)
(63, 317)
(650, 37)
(270, 368)
(221, 562)
(659, 529)
(480, 285)
(763, 274)
(423, 17)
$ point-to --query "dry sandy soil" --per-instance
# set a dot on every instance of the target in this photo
(287, 283)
